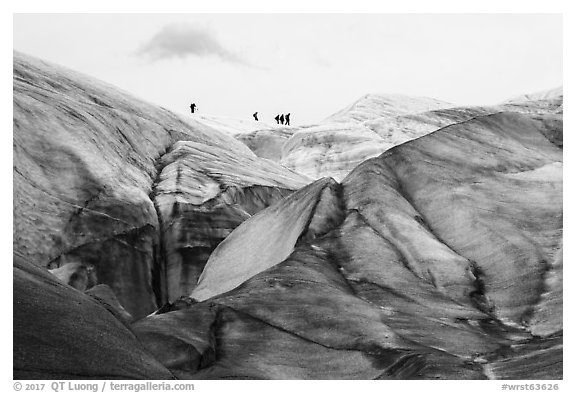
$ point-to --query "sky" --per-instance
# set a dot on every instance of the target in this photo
(311, 65)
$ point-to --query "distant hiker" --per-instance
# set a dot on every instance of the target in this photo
(288, 119)
(282, 119)
(277, 118)
(192, 107)
(255, 116)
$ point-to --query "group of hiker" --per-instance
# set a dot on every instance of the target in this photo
(283, 119)
(280, 119)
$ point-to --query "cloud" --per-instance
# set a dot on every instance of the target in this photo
(182, 41)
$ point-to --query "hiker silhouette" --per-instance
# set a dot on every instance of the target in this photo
(287, 119)
(282, 119)
(255, 116)
(277, 118)
(192, 107)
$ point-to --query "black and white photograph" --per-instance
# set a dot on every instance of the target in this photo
(286, 196)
